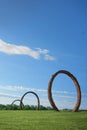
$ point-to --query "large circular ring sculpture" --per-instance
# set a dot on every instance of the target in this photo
(77, 88)
(17, 100)
(38, 106)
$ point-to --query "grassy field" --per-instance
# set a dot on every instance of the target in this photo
(42, 120)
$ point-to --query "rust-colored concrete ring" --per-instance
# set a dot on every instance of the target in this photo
(38, 106)
(78, 102)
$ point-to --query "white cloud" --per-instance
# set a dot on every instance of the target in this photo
(23, 88)
(13, 49)
(64, 92)
(20, 88)
(48, 57)
(42, 51)
(45, 52)
(19, 50)
(8, 95)
(64, 96)
(15, 92)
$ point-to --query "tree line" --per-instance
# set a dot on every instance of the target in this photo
(25, 107)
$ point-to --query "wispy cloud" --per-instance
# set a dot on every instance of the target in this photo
(8, 95)
(39, 90)
(64, 94)
(45, 52)
(20, 88)
(16, 92)
(17, 50)
(42, 51)
(24, 88)
(13, 49)
(48, 57)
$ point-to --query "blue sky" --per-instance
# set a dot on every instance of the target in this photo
(38, 38)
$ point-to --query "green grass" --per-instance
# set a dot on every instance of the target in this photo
(42, 120)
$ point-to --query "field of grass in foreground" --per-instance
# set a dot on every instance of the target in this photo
(42, 120)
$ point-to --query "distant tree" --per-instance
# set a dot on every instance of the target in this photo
(49, 108)
(33, 107)
(2, 107)
(8, 107)
(26, 107)
(42, 107)
(15, 107)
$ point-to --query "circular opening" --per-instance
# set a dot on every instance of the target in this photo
(76, 107)
(64, 92)
(30, 101)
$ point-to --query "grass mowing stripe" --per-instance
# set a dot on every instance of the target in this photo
(42, 120)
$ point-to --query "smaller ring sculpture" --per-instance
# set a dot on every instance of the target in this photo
(38, 106)
(76, 85)
(17, 100)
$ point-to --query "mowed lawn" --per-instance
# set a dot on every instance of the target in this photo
(42, 120)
